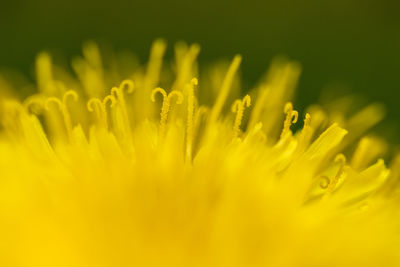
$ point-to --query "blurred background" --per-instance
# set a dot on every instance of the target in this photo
(351, 45)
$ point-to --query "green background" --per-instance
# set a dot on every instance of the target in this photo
(344, 43)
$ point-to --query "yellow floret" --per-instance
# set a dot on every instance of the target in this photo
(110, 169)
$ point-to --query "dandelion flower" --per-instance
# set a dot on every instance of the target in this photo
(163, 165)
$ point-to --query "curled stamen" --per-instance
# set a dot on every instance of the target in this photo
(34, 104)
(179, 96)
(340, 158)
(158, 90)
(93, 104)
(324, 183)
(165, 105)
(98, 106)
(54, 100)
(127, 85)
(118, 93)
(238, 108)
(69, 93)
(62, 106)
(111, 99)
(190, 118)
(291, 117)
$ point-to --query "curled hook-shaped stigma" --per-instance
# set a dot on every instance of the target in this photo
(324, 182)
(158, 90)
(246, 101)
(94, 102)
(127, 85)
(53, 100)
(70, 94)
(98, 106)
(179, 96)
(165, 105)
(34, 103)
(111, 99)
(241, 103)
(291, 117)
(62, 105)
(341, 159)
(118, 92)
(167, 97)
(292, 114)
(236, 105)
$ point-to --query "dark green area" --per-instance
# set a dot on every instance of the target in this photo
(351, 43)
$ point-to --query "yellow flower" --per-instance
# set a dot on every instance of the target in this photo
(100, 173)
